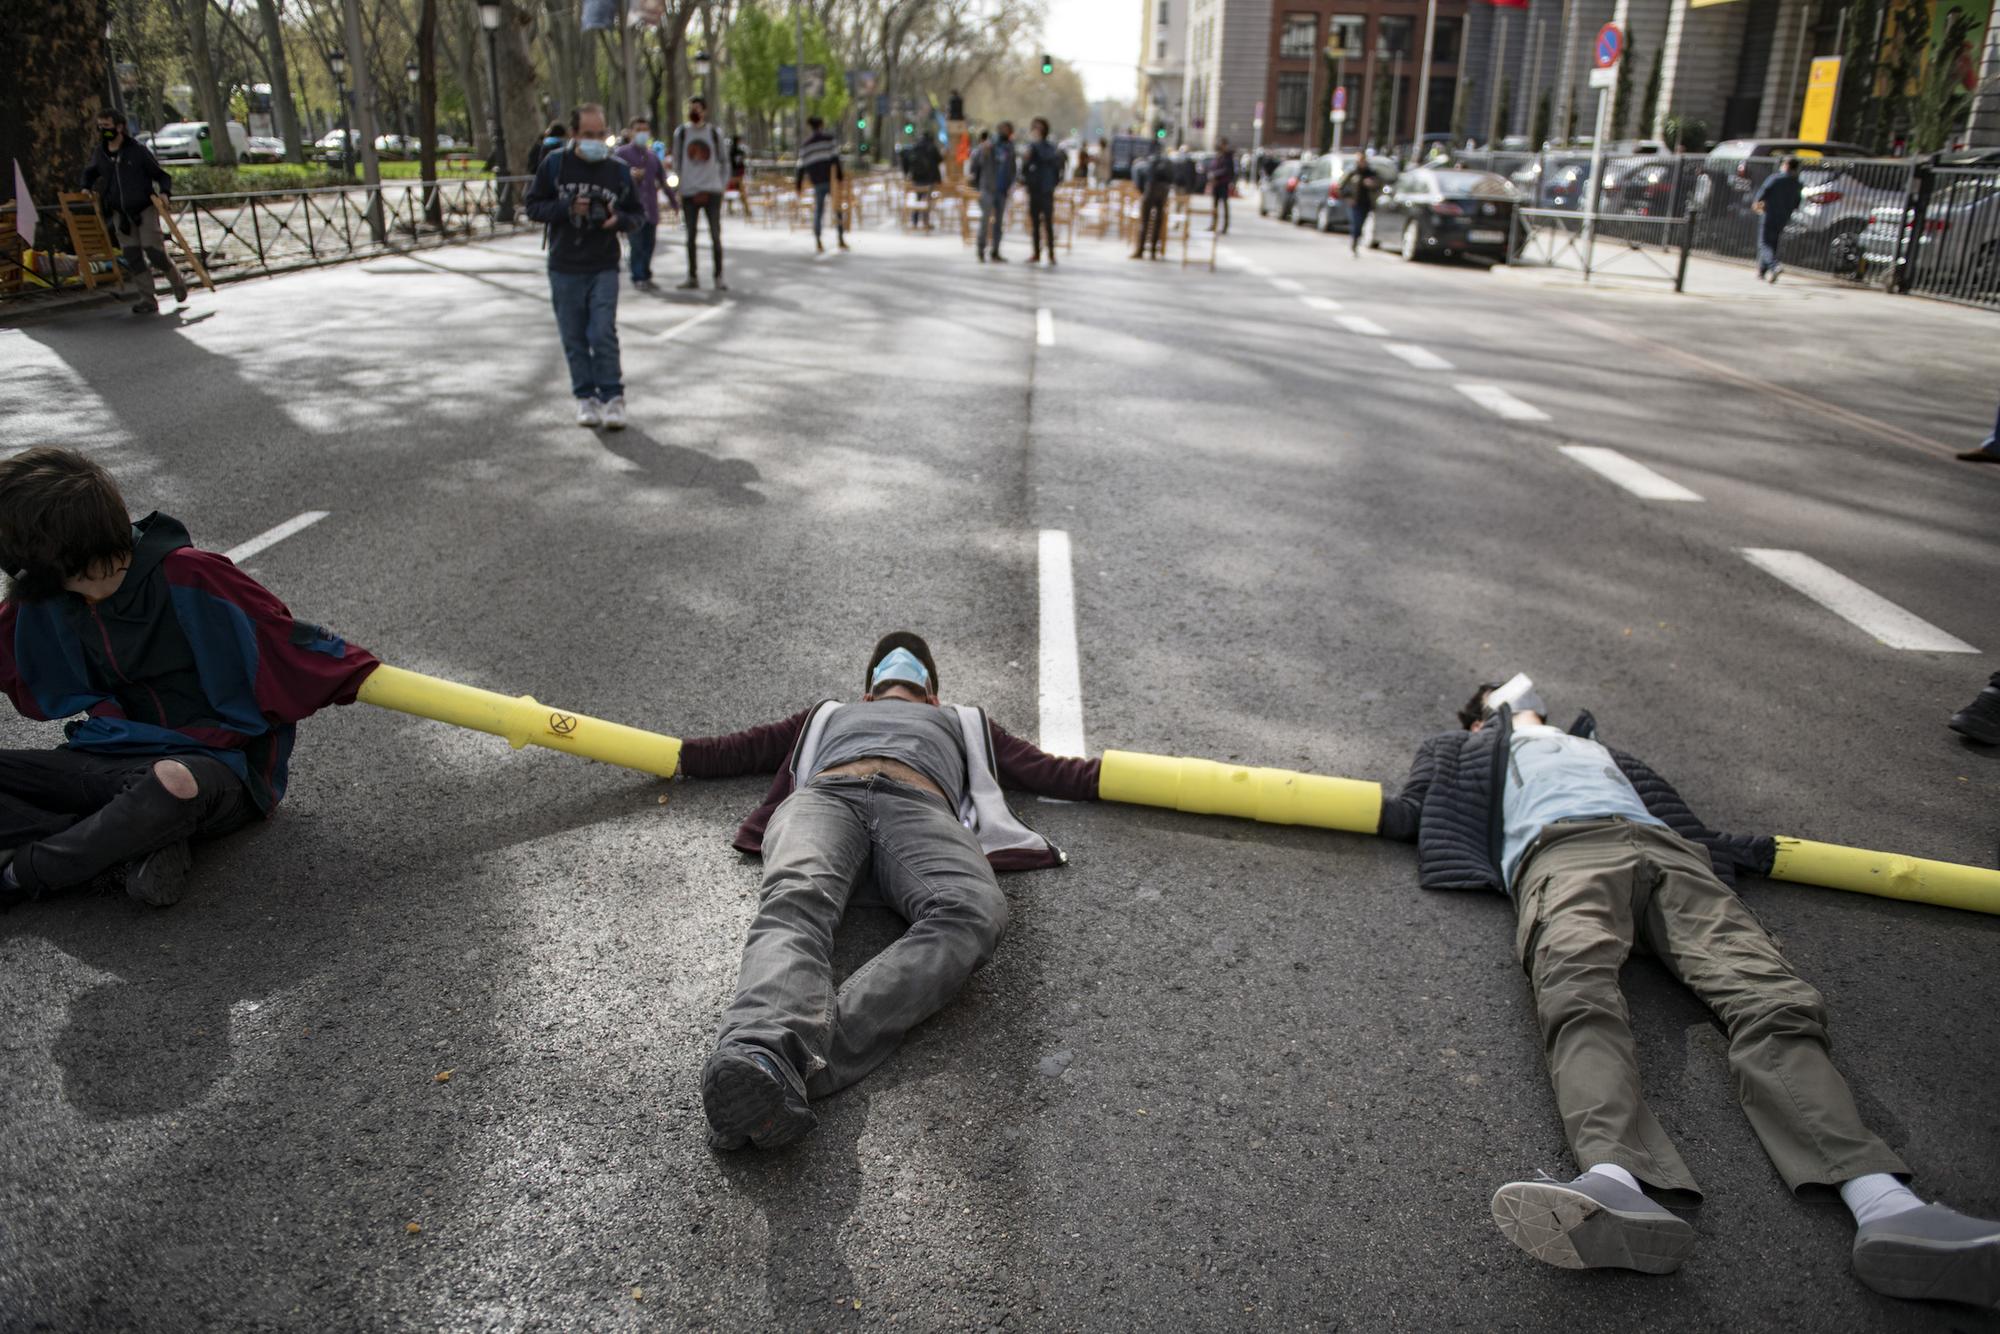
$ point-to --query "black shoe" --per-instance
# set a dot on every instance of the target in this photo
(1980, 720)
(149, 306)
(750, 1097)
(1981, 455)
(160, 878)
(11, 890)
(691, 285)
(720, 285)
(982, 257)
(999, 258)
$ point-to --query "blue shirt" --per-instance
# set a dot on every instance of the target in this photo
(1553, 776)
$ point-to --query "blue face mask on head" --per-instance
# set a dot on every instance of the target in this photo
(899, 664)
(552, 141)
(592, 150)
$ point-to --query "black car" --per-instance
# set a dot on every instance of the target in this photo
(1441, 211)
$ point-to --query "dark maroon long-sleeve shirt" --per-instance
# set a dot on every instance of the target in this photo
(767, 748)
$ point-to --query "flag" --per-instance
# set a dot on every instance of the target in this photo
(598, 14)
(24, 206)
(1510, 4)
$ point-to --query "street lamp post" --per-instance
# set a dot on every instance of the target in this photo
(490, 14)
(410, 75)
(336, 60)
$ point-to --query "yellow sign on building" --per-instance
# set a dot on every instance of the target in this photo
(1816, 121)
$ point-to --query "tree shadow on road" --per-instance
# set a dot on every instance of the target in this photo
(688, 469)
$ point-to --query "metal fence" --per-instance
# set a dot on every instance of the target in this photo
(256, 234)
(1893, 222)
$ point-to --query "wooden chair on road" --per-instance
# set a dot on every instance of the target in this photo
(1188, 216)
(89, 239)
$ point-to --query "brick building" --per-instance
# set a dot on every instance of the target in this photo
(1375, 51)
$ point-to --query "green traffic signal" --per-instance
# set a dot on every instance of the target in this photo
(1048, 64)
(909, 127)
(861, 123)
(1160, 133)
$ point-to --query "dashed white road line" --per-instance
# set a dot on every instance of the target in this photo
(1361, 324)
(1629, 473)
(1045, 327)
(1851, 602)
(1421, 357)
(243, 551)
(1288, 284)
(1501, 403)
(1324, 303)
(675, 330)
(1061, 678)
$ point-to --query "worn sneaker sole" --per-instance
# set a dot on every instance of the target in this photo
(161, 878)
(1568, 1229)
(748, 1104)
(1955, 1271)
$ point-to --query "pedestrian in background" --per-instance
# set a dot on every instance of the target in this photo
(583, 199)
(1221, 183)
(554, 137)
(819, 158)
(1156, 185)
(1358, 190)
(1988, 450)
(1041, 171)
(992, 170)
(925, 166)
(649, 182)
(701, 160)
(125, 176)
(1776, 200)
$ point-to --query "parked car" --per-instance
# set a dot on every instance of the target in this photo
(397, 146)
(263, 148)
(1274, 196)
(181, 140)
(1959, 250)
(1640, 187)
(1735, 168)
(1554, 180)
(1318, 200)
(1316, 177)
(1437, 211)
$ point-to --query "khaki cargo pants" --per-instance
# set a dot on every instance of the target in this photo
(1588, 892)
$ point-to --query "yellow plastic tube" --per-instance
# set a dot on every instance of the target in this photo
(522, 721)
(1888, 874)
(1274, 796)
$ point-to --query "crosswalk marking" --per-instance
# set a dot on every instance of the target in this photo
(1327, 304)
(243, 551)
(1421, 357)
(1629, 473)
(1061, 685)
(1361, 324)
(1045, 328)
(1851, 602)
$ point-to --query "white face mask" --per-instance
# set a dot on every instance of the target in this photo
(641, 138)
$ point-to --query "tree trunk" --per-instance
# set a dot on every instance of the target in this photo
(214, 108)
(49, 97)
(364, 115)
(281, 83)
(522, 116)
(427, 111)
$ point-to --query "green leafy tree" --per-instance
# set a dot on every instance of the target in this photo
(1941, 97)
(760, 40)
(1621, 94)
(1649, 109)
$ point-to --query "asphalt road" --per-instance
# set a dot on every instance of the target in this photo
(1220, 1075)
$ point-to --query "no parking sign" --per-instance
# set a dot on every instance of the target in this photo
(1609, 49)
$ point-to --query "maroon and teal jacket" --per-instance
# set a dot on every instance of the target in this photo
(189, 656)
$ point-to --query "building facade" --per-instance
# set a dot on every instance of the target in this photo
(1228, 64)
(1374, 50)
(1162, 61)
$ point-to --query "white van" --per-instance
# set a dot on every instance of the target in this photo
(181, 141)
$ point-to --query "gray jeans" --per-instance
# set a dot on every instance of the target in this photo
(992, 223)
(899, 845)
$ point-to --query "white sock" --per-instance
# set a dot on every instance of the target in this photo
(1616, 1173)
(1877, 1196)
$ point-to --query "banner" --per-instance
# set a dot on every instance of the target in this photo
(598, 14)
(1816, 121)
(25, 215)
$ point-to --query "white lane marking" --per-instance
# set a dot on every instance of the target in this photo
(675, 330)
(1045, 327)
(1629, 473)
(1498, 401)
(1061, 677)
(1851, 602)
(1327, 304)
(243, 551)
(1288, 284)
(1421, 357)
(1361, 324)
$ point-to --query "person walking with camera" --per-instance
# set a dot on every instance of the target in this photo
(701, 160)
(583, 198)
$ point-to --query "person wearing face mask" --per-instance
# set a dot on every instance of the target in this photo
(701, 161)
(125, 176)
(649, 180)
(583, 199)
(1602, 857)
(554, 137)
(895, 800)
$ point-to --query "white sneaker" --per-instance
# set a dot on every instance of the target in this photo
(614, 414)
(588, 413)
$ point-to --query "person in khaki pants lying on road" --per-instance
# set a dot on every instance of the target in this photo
(1600, 855)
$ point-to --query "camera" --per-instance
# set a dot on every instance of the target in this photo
(596, 211)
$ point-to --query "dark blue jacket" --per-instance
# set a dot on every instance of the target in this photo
(583, 246)
(1779, 194)
(1042, 166)
(190, 656)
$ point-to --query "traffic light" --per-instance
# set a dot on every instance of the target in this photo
(1160, 133)
(861, 123)
(1048, 63)
(909, 127)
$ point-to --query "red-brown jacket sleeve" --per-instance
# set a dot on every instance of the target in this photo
(755, 750)
(1028, 768)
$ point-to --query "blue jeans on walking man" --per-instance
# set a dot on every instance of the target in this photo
(820, 193)
(992, 224)
(587, 318)
(641, 242)
(1770, 231)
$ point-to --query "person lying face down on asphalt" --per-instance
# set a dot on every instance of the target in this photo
(1601, 855)
(895, 800)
